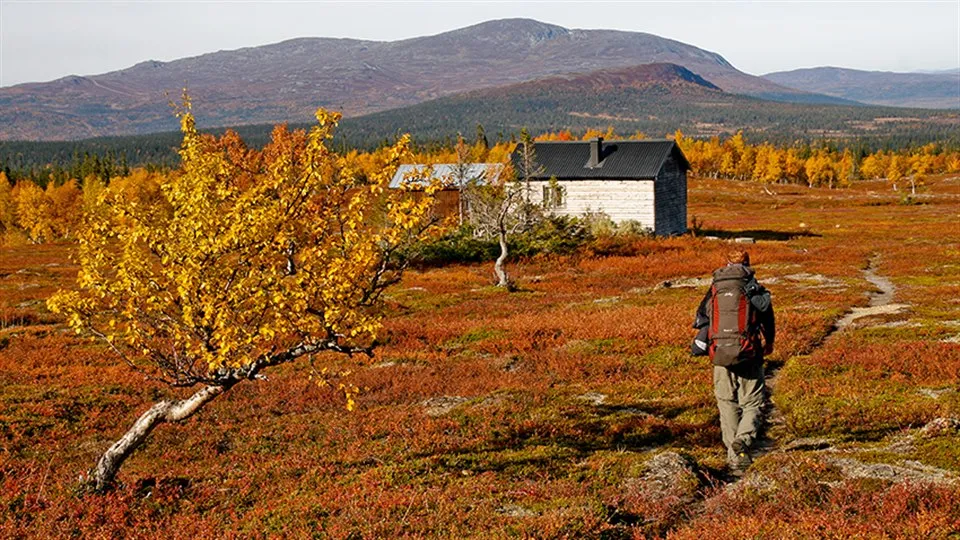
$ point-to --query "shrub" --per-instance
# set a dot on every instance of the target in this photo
(555, 235)
(460, 245)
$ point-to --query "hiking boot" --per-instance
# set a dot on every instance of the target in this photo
(742, 460)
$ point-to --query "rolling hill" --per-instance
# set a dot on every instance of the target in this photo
(940, 90)
(287, 81)
(656, 99)
(653, 98)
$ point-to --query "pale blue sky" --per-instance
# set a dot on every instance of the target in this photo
(44, 40)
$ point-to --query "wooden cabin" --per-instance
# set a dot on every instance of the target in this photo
(453, 177)
(643, 181)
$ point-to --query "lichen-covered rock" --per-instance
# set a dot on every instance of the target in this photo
(905, 471)
(439, 406)
(940, 427)
(658, 498)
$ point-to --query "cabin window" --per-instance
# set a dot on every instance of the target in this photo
(553, 196)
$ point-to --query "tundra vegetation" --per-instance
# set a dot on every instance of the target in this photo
(570, 408)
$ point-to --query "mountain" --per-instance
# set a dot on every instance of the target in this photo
(928, 90)
(287, 81)
(655, 99)
(951, 71)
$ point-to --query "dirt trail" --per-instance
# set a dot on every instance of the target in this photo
(880, 303)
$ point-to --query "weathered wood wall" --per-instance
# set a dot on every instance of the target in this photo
(670, 193)
(622, 200)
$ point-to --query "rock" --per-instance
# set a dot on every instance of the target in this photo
(935, 393)
(906, 471)
(940, 427)
(382, 365)
(595, 398)
(809, 443)
(671, 474)
(515, 510)
(744, 240)
(508, 363)
(667, 488)
(439, 406)
(684, 282)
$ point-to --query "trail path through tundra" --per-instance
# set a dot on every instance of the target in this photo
(881, 303)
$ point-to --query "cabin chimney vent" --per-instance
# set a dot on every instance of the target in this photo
(596, 151)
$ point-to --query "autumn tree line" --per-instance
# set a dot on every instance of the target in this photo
(814, 165)
(51, 208)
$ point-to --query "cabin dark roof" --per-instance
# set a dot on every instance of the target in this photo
(619, 160)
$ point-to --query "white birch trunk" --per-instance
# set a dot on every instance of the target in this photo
(498, 266)
(102, 476)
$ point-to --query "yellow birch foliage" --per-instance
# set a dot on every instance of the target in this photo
(34, 211)
(7, 205)
(66, 207)
(242, 258)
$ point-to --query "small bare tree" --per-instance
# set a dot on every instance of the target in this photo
(500, 209)
(527, 165)
(496, 211)
(461, 174)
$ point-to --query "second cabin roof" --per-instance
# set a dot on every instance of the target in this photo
(618, 160)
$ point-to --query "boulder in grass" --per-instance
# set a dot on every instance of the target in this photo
(666, 490)
(940, 427)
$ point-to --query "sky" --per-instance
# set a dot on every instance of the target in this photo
(42, 40)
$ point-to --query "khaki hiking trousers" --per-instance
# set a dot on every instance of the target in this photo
(739, 392)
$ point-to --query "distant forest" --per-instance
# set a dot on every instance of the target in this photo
(656, 112)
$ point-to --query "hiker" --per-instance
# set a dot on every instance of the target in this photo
(733, 316)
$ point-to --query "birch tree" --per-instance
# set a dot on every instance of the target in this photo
(503, 208)
(244, 260)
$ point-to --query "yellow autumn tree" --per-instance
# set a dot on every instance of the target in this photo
(66, 207)
(8, 214)
(242, 261)
(896, 170)
(874, 166)
(34, 211)
(846, 169)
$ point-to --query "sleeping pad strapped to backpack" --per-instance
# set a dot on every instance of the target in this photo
(734, 335)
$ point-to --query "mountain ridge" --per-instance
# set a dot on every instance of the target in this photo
(287, 81)
(656, 99)
(889, 88)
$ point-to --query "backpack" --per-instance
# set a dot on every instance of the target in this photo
(733, 334)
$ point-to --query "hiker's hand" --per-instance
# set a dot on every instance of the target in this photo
(768, 348)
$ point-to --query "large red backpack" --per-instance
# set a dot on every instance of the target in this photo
(733, 334)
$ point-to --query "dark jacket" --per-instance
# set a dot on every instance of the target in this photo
(759, 299)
